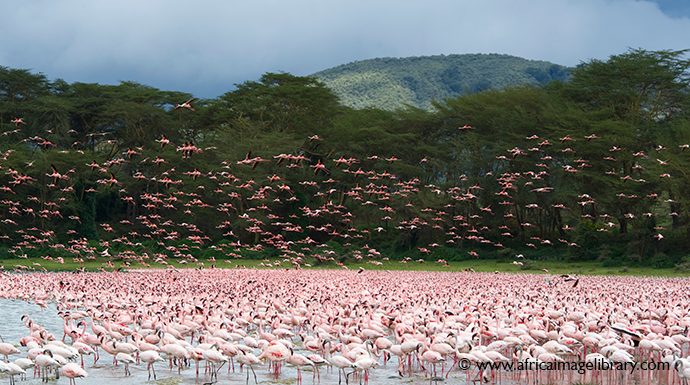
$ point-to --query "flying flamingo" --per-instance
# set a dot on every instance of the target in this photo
(187, 104)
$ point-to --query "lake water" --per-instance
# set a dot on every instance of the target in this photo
(12, 329)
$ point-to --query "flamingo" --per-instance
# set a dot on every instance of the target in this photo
(125, 359)
(187, 104)
(341, 363)
(364, 363)
(7, 349)
(73, 371)
(11, 369)
(249, 360)
(150, 357)
(18, 121)
(45, 361)
(682, 367)
(432, 357)
(215, 357)
(25, 364)
(298, 361)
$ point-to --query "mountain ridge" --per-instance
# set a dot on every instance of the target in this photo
(394, 82)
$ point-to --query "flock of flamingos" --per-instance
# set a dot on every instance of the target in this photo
(366, 326)
(299, 203)
(224, 324)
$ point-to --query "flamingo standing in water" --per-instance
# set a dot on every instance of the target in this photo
(299, 361)
(276, 353)
(12, 370)
(249, 360)
(7, 349)
(150, 357)
(682, 367)
(341, 363)
(342, 315)
(45, 362)
(125, 359)
(73, 371)
(214, 357)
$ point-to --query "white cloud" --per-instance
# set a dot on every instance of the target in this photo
(206, 46)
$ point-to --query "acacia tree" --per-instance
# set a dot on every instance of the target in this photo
(639, 86)
(608, 190)
(641, 98)
(280, 102)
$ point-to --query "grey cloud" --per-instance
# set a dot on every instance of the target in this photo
(204, 47)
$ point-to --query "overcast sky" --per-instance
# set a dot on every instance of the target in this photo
(204, 47)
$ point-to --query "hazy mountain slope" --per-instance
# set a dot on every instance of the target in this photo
(391, 83)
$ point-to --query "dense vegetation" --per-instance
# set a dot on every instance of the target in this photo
(592, 168)
(392, 83)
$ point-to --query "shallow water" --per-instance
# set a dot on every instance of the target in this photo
(12, 329)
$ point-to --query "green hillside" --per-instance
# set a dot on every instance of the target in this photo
(391, 83)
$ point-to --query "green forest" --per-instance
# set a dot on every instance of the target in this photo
(590, 166)
(393, 83)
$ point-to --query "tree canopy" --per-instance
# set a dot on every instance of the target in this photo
(592, 167)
